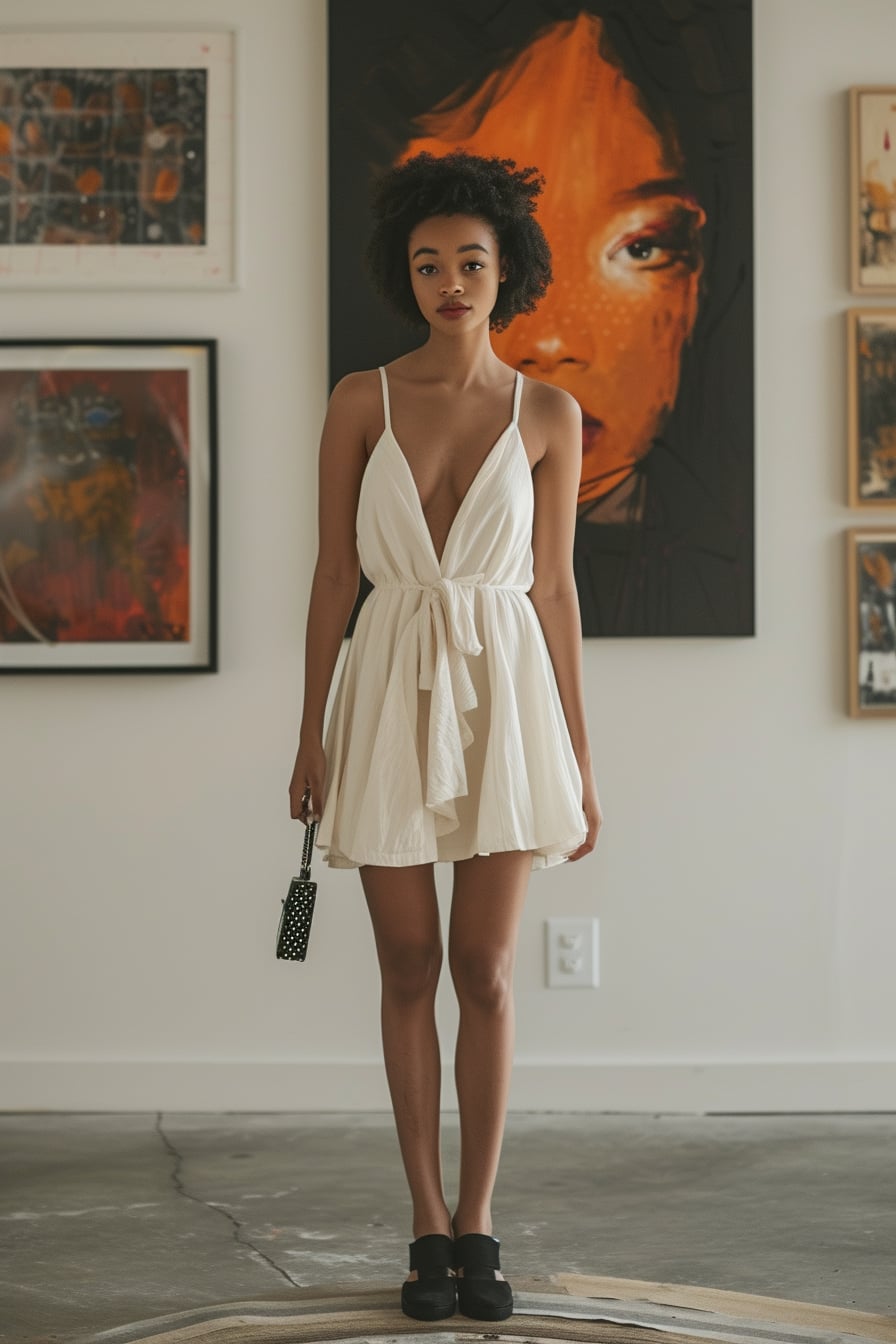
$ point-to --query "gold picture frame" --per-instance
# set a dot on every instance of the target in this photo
(872, 192)
(871, 573)
(871, 402)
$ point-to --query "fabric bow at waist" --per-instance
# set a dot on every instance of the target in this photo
(449, 632)
(446, 629)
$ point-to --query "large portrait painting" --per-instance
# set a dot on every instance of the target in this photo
(637, 113)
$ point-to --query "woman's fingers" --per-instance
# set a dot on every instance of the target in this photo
(309, 804)
(584, 848)
(306, 787)
(594, 820)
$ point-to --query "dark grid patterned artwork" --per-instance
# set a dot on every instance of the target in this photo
(103, 156)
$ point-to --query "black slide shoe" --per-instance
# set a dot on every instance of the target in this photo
(432, 1296)
(479, 1293)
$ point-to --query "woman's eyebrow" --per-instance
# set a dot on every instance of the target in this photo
(660, 186)
(434, 251)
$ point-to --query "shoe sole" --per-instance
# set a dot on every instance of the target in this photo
(499, 1314)
(429, 1316)
(420, 1313)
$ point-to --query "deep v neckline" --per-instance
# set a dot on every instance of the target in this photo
(415, 490)
(467, 493)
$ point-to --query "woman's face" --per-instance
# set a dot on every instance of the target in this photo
(455, 270)
(624, 234)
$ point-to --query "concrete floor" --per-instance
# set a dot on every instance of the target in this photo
(107, 1219)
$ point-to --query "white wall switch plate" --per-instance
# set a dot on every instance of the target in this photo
(571, 950)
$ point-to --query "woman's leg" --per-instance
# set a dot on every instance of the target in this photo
(488, 898)
(405, 915)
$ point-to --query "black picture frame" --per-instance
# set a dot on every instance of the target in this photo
(108, 511)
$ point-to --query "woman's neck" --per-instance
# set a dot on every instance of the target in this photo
(461, 360)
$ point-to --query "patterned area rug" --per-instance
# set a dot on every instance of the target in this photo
(564, 1307)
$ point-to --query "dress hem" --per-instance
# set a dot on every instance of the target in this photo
(551, 858)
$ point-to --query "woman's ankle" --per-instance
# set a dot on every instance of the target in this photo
(428, 1221)
(476, 1221)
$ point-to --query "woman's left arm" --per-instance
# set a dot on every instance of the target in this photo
(553, 594)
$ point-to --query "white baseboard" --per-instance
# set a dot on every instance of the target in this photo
(359, 1085)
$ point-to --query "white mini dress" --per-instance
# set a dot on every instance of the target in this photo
(446, 736)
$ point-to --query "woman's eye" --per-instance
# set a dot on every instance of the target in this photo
(476, 265)
(672, 242)
(427, 268)
(647, 254)
(642, 250)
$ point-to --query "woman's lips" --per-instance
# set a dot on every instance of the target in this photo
(454, 310)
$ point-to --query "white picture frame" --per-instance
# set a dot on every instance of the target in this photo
(121, 158)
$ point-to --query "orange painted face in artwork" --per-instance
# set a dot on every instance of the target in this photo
(624, 234)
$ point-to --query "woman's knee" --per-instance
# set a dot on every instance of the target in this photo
(405, 916)
(483, 977)
(410, 968)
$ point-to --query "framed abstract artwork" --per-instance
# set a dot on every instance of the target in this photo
(873, 189)
(638, 117)
(872, 407)
(871, 566)
(116, 159)
(108, 506)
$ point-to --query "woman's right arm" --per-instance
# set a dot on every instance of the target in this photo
(334, 587)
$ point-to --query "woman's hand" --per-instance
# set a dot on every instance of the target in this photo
(593, 817)
(308, 776)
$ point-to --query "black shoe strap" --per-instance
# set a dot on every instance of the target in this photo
(431, 1255)
(475, 1251)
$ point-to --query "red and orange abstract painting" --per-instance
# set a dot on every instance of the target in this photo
(98, 519)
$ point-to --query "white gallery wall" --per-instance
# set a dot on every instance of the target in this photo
(744, 883)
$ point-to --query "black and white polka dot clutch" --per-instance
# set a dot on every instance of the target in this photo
(298, 907)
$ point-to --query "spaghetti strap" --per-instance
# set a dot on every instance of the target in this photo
(517, 394)
(388, 417)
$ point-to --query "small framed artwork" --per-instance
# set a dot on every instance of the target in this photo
(873, 189)
(871, 337)
(871, 565)
(107, 506)
(116, 159)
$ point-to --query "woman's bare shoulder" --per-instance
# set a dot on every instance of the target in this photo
(553, 403)
(356, 391)
(553, 412)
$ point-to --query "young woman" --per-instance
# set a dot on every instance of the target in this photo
(457, 731)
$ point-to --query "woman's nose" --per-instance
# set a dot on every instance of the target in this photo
(451, 287)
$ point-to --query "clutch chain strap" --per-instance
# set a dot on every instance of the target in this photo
(305, 870)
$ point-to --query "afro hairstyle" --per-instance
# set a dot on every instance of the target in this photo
(491, 189)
